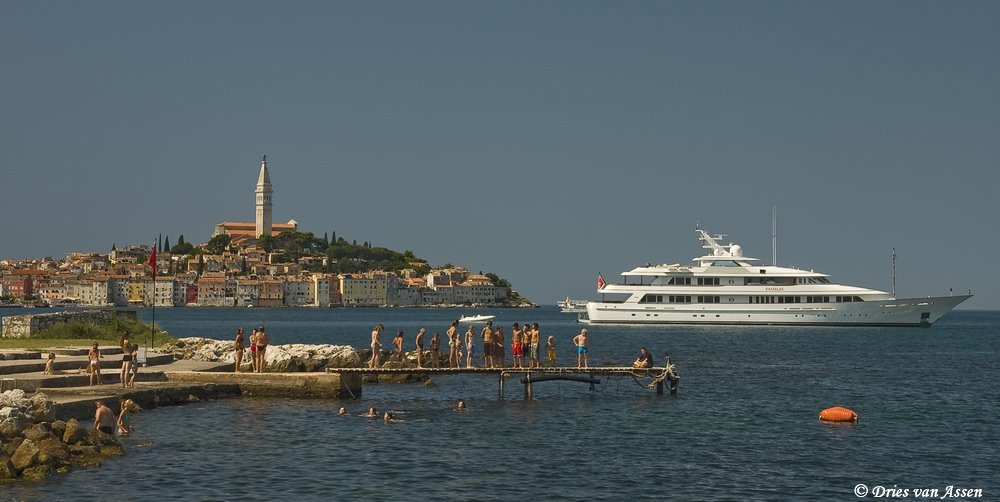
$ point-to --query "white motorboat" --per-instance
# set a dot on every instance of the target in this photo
(725, 287)
(476, 319)
(570, 305)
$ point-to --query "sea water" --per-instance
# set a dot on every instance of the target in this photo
(742, 426)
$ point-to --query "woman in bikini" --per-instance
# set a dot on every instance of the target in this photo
(94, 364)
(239, 348)
(376, 346)
(470, 346)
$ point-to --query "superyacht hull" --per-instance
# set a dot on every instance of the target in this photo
(896, 312)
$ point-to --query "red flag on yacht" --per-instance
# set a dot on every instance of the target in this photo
(600, 281)
(152, 262)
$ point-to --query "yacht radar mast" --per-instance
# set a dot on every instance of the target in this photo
(710, 241)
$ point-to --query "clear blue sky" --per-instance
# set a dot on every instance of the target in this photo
(543, 141)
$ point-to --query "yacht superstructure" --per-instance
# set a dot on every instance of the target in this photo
(725, 287)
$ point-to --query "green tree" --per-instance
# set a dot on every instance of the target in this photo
(166, 243)
(218, 244)
(201, 264)
(497, 280)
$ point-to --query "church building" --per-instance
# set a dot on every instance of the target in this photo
(242, 231)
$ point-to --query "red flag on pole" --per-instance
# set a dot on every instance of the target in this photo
(152, 262)
(600, 282)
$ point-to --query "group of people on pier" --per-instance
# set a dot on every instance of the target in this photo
(258, 347)
(525, 346)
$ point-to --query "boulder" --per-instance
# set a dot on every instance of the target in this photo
(101, 439)
(76, 433)
(285, 358)
(12, 422)
(53, 452)
(39, 432)
(26, 455)
(7, 470)
(58, 428)
(13, 398)
(37, 473)
(40, 408)
(11, 447)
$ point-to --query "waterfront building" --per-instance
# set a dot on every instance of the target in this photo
(299, 292)
(243, 232)
(364, 290)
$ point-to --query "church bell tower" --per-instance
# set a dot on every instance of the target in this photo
(263, 200)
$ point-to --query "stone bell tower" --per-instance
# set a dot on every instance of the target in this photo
(263, 200)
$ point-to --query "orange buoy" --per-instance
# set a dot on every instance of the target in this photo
(838, 414)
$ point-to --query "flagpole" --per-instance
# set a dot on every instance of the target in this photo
(152, 328)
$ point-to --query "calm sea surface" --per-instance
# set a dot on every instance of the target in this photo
(743, 425)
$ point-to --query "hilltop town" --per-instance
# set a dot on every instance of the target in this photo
(246, 264)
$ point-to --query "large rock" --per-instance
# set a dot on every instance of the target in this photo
(39, 432)
(75, 433)
(285, 358)
(37, 473)
(40, 408)
(13, 421)
(53, 452)
(7, 470)
(58, 428)
(26, 455)
(11, 447)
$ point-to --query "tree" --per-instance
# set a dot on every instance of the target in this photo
(180, 240)
(218, 244)
(201, 264)
(112, 246)
(166, 243)
(497, 280)
(159, 243)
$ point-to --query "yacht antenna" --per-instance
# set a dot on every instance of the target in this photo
(893, 273)
(774, 236)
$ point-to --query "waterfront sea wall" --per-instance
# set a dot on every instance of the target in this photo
(24, 326)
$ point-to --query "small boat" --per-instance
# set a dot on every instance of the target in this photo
(570, 305)
(476, 318)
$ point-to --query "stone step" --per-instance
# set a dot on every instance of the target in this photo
(33, 382)
(75, 363)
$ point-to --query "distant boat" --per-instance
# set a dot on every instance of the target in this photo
(570, 305)
(476, 318)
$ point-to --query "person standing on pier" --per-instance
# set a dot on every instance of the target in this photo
(536, 338)
(550, 351)
(126, 361)
(454, 345)
(134, 367)
(238, 342)
(500, 352)
(397, 346)
(488, 344)
(470, 347)
(436, 350)
(94, 365)
(376, 346)
(582, 342)
(261, 348)
(253, 350)
(419, 342)
(516, 348)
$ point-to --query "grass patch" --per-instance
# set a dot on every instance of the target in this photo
(79, 333)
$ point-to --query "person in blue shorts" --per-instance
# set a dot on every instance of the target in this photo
(582, 342)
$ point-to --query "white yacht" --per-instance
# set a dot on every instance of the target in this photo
(725, 287)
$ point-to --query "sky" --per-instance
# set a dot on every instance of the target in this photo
(545, 141)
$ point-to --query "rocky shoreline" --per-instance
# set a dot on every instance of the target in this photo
(35, 445)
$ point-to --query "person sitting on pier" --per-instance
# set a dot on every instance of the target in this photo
(49, 369)
(645, 359)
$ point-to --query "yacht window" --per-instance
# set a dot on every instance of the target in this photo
(725, 263)
(708, 281)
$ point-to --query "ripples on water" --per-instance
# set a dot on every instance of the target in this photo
(742, 427)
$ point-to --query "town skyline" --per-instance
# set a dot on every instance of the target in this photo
(544, 142)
